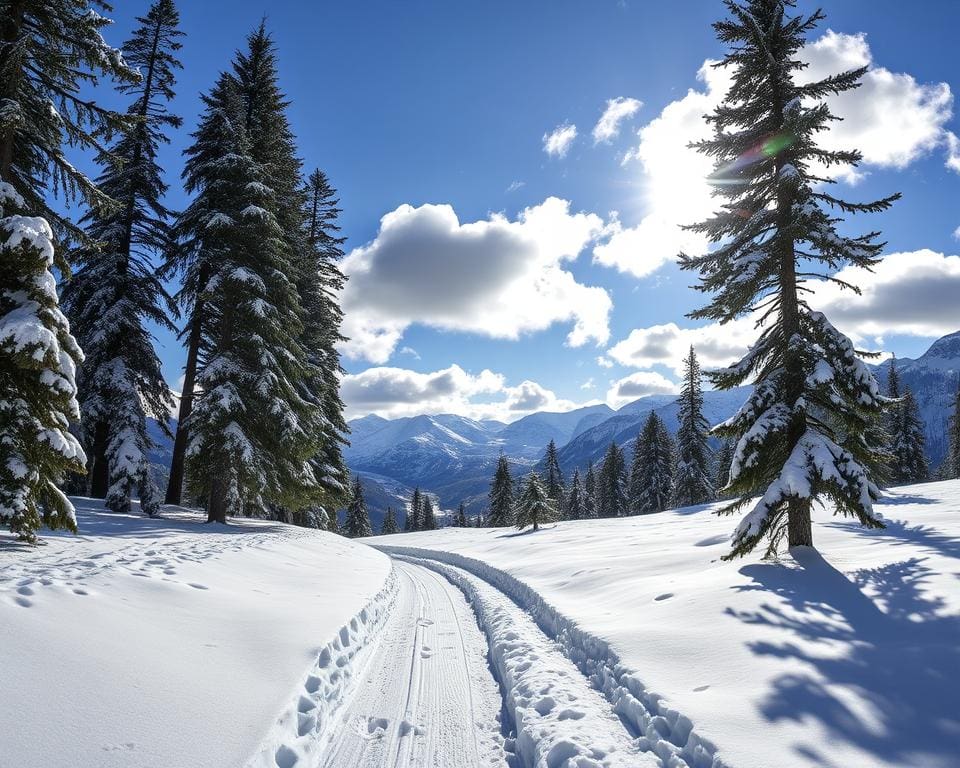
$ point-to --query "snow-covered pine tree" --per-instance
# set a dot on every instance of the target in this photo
(721, 462)
(114, 291)
(651, 476)
(574, 507)
(428, 518)
(553, 476)
(357, 523)
(910, 460)
(590, 494)
(252, 434)
(534, 506)
(319, 281)
(389, 524)
(501, 496)
(461, 516)
(803, 433)
(692, 481)
(49, 50)
(412, 521)
(612, 484)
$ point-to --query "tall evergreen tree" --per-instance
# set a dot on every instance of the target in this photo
(461, 516)
(501, 496)
(803, 433)
(115, 290)
(428, 518)
(534, 505)
(692, 482)
(612, 484)
(910, 460)
(49, 51)
(412, 521)
(575, 508)
(389, 524)
(651, 477)
(590, 494)
(553, 476)
(319, 280)
(357, 523)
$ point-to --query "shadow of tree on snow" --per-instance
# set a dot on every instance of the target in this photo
(886, 679)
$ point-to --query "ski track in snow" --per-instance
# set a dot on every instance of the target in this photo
(424, 696)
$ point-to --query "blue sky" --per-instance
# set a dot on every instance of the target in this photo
(450, 104)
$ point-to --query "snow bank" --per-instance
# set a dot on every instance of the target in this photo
(166, 642)
(836, 660)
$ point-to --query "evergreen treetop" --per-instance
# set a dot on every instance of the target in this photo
(501, 496)
(533, 506)
(389, 524)
(692, 482)
(651, 475)
(357, 523)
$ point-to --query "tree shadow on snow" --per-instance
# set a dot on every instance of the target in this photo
(525, 532)
(885, 681)
(898, 532)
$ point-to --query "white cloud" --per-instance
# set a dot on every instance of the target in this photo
(588, 384)
(395, 392)
(557, 143)
(409, 351)
(494, 277)
(892, 119)
(668, 345)
(914, 293)
(604, 362)
(515, 185)
(638, 385)
(956, 233)
(617, 110)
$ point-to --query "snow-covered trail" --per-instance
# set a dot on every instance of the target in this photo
(425, 696)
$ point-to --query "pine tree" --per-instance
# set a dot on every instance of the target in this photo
(910, 460)
(612, 484)
(49, 51)
(803, 433)
(692, 483)
(590, 494)
(319, 280)
(389, 524)
(501, 496)
(412, 521)
(534, 506)
(553, 476)
(952, 460)
(357, 523)
(115, 291)
(651, 476)
(252, 434)
(575, 507)
(428, 519)
(722, 460)
(461, 516)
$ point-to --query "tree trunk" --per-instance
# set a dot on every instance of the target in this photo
(11, 32)
(217, 503)
(99, 469)
(175, 483)
(799, 527)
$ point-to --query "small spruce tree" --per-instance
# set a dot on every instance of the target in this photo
(574, 508)
(534, 505)
(612, 484)
(692, 482)
(428, 518)
(357, 523)
(952, 460)
(590, 494)
(651, 477)
(553, 476)
(389, 524)
(910, 460)
(461, 516)
(805, 431)
(501, 496)
(412, 521)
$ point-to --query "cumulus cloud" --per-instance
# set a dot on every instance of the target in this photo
(495, 277)
(617, 110)
(668, 345)
(557, 143)
(395, 392)
(913, 293)
(891, 118)
(638, 385)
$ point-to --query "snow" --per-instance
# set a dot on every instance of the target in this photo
(845, 658)
(165, 642)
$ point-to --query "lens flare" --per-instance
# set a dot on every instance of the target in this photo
(770, 147)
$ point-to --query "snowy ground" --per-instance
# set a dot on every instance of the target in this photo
(844, 659)
(168, 643)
